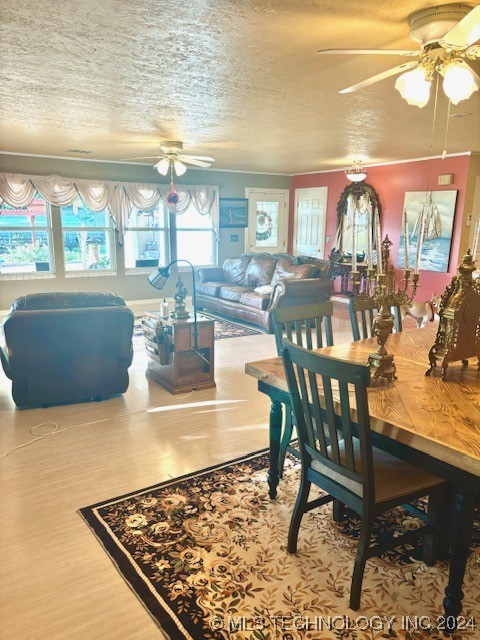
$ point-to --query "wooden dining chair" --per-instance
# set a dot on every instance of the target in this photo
(362, 314)
(339, 457)
(309, 326)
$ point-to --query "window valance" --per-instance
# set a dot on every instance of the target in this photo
(120, 198)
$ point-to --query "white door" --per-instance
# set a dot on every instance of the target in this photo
(310, 221)
(267, 220)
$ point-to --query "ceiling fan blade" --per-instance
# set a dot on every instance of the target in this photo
(197, 163)
(465, 33)
(141, 158)
(189, 157)
(380, 76)
(369, 52)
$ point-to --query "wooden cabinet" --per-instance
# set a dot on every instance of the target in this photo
(173, 361)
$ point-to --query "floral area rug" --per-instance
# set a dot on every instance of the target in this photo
(206, 555)
(223, 329)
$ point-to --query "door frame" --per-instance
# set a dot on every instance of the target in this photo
(295, 218)
(269, 192)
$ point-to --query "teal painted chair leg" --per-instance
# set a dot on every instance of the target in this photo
(286, 438)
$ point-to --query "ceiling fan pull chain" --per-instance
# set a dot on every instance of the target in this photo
(435, 103)
(444, 152)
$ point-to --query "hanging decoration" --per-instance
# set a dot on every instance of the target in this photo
(264, 226)
(172, 195)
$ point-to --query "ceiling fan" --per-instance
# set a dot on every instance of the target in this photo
(173, 159)
(446, 35)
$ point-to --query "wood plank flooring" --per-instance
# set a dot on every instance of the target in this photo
(56, 581)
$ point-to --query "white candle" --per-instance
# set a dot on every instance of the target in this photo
(354, 239)
(420, 232)
(475, 239)
(369, 237)
(379, 245)
(405, 236)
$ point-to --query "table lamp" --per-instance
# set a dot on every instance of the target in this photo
(158, 279)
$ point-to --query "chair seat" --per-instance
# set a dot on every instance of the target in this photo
(394, 478)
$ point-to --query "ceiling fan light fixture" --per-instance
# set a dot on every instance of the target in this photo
(414, 87)
(458, 81)
(163, 166)
(356, 173)
(179, 167)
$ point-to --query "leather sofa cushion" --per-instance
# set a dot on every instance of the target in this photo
(210, 274)
(286, 270)
(260, 271)
(208, 288)
(234, 269)
(255, 300)
(232, 292)
(66, 300)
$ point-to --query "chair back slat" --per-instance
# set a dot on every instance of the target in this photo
(345, 418)
(307, 407)
(397, 319)
(362, 313)
(346, 458)
(298, 324)
(308, 326)
(317, 413)
(330, 410)
(328, 331)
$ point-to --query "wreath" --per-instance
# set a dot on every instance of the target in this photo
(264, 226)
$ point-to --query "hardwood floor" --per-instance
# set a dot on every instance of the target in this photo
(56, 580)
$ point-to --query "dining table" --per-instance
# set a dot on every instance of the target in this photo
(427, 421)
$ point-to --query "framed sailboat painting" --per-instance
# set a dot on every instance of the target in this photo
(437, 210)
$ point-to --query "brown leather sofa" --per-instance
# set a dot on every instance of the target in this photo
(67, 347)
(250, 287)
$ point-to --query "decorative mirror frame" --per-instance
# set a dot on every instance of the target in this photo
(356, 189)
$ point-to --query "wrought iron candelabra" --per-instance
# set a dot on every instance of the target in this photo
(380, 289)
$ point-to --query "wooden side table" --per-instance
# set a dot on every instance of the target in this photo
(173, 362)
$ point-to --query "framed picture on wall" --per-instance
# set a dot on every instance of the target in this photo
(233, 212)
(439, 211)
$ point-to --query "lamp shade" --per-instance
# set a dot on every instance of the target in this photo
(159, 277)
(414, 87)
(356, 173)
(163, 166)
(458, 81)
(179, 167)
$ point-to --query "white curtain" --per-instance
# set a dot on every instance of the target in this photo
(120, 197)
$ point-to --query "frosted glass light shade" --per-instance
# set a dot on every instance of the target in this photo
(414, 87)
(163, 166)
(356, 174)
(180, 168)
(458, 82)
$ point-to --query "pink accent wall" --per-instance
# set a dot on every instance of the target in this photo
(391, 182)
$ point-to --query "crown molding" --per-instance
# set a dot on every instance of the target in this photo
(384, 164)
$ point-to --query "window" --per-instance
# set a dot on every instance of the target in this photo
(146, 239)
(26, 238)
(195, 238)
(88, 242)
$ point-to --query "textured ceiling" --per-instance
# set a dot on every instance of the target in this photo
(236, 79)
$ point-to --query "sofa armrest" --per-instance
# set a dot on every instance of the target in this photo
(5, 362)
(211, 274)
(292, 293)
